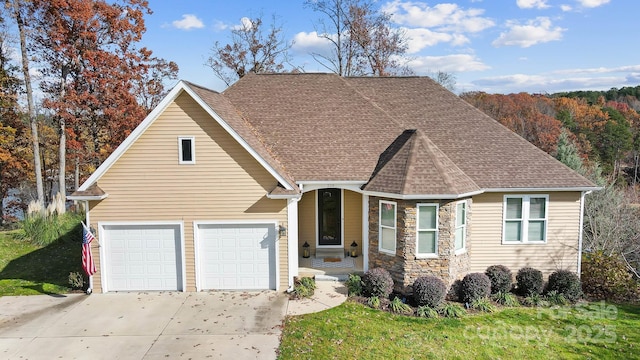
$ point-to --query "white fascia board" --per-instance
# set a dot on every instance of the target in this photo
(422, 196)
(355, 186)
(287, 197)
(239, 139)
(87, 197)
(524, 190)
(135, 134)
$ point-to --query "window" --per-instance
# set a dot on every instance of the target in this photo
(525, 218)
(187, 150)
(387, 231)
(427, 230)
(461, 225)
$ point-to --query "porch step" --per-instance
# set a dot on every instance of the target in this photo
(340, 277)
(329, 253)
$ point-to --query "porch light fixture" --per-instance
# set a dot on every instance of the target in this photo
(354, 248)
(282, 231)
(305, 250)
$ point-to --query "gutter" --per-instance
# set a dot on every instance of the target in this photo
(582, 197)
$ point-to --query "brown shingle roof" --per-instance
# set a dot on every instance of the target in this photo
(321, 127)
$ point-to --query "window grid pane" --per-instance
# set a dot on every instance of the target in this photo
(387, 239)
(536, 230)
(537, 208)
(460, 238)
(426, 242)
(514, 208)
(513, 231)
(427, 217)
(387, 214)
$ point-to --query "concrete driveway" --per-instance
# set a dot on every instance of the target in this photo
(206, 325)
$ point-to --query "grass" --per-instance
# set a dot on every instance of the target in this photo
(29, 269)
(354, 331)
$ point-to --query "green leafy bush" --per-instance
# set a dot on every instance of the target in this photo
(354, 285)
(606, 277)
(505, 298)
(304, 287)
(535, 299)
(529, 281)
(399, 307)
(474, 286)
(377, 282)
(500, 277)
(556, 298)
(43, 229)
(429, 291)
(76, 280)
(452, 310)
(483, 304)
(566, 283)
(426, 312)
(374, 302)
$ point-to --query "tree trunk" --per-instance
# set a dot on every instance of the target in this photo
(33, 121)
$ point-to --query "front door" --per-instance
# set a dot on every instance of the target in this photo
(329, 216)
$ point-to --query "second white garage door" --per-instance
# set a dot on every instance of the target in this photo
(236, 256)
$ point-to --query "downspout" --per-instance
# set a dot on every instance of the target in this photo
(582, 196)
(88, 222)
(292, 218)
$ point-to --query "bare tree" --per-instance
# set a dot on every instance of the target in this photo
(250, 50)
(362, 40)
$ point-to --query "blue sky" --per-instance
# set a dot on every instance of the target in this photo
(497, 46)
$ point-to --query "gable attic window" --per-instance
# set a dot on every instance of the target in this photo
(387, 227)
(525, 219)
(187, 150)
(427, 231)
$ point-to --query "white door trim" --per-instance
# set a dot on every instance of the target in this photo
(104, 246)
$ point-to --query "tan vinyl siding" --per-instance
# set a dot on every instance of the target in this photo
(352, 219)
(560, 251)
(226, 183)
(307, 221)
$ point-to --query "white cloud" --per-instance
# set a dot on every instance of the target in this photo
(447, 63)
(601, 70)
(593, 3)
(421, 38)
(566, 7)
(245, 24)
(445, 16)
(530, 4)
(188, 22)
(538, 30)
(310, 42)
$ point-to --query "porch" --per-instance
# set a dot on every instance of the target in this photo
(312, 267)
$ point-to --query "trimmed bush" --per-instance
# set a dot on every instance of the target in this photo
(474, 286)
(566, 283)
(377, 282)
(607, 277)
(500, 277)
(529, 281)
(429, 291)
(354, 285)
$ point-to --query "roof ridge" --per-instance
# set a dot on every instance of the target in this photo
(368, 99)
(411, 159)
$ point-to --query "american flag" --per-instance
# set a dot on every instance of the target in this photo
(87, 259)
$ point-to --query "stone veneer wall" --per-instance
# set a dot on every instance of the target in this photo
(404, 267)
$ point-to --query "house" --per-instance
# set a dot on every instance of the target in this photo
(221, 190)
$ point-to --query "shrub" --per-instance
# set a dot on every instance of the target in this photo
(377, 282)
(506, 299)
(354, 285)
(536, 299)
(304, 287)
(556, 298)
(606, 277)
(529, 281)
(474, 286)
(43, 229)
(500, 277)
(429, 291)
(483, 304)
(452, 310)
(566, 283)
(76, 280)
(426, 312)
(454, 291)
(374, 302)
(399, 307)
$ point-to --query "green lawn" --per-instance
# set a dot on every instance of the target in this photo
(354, 331)
(27, 269)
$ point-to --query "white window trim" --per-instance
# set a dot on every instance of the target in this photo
(436, 230)
(193, 149)
(464, 226)
(395, 227)
(525, 218)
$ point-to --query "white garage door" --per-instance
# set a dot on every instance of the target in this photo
(236, 256)
(143, 257)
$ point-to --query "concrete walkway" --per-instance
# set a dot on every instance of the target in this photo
(153, 325)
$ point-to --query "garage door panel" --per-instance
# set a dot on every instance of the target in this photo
(143, 257)
(236, 256)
